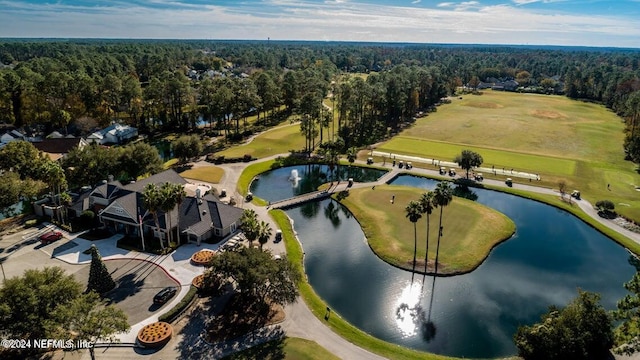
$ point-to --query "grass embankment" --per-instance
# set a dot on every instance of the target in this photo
(247, 176)
(559, 138)
(211, 174)
(281, 139)
(336, 322)
(470, 230)
(288, 349)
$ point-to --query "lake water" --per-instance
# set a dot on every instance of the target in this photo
(475, 315)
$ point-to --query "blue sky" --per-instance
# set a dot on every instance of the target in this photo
(534, 22)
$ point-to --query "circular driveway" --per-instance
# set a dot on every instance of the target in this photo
(137, 282)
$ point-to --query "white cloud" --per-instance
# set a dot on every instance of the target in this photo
(416, 1)
(448, 22)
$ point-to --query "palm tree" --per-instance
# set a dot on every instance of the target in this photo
(414, 213)
(152, 199)
(264, 233)
(443, 194)
(427, 203)
(249, 225)
(178, 194)
(167, 204)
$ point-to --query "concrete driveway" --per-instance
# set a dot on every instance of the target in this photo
(137, 282)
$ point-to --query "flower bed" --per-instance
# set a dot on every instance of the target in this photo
(202, 257)
(155, 335)
(198, 281)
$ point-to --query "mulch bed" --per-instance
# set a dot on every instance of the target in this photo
(242, 315)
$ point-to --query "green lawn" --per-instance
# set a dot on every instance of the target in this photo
(560, 139)
(211, 174)
(471, 230)
(287, 349)
(277, 141)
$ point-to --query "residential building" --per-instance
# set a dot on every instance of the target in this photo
(121, 209)
(113, 134)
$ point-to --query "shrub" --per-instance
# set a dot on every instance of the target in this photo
(605, 205)
(172, 314)
(31, 223)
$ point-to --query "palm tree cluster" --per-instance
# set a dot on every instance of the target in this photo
(163, 198)
(254, 229)
(440, 197)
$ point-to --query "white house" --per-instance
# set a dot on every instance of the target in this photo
(114, 134)
(10, 136)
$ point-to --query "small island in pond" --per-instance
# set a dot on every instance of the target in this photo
(470, 230)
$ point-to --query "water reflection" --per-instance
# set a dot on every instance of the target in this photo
(279, 184)
(472, 315)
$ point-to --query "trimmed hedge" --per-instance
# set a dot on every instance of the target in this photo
(172, 314)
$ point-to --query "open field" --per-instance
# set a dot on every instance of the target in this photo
(470, 232)
(558, 138)
(276, 141)
(211, 174)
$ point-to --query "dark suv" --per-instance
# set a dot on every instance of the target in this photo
(164, 295)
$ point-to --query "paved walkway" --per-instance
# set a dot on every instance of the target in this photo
(300, 322)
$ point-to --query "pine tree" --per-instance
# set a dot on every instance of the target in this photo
(99, 278)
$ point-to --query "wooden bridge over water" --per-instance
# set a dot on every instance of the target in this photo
(334, 188)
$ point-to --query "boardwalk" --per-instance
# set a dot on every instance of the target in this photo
(334, 188)
(296, 200)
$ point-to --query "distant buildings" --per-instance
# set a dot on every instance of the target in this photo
(113, 134)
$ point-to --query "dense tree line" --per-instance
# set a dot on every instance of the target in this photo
(172, 85)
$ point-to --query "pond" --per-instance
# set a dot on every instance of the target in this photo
(474, 315)
(290, 181)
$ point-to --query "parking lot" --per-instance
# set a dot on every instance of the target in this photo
(137, 280)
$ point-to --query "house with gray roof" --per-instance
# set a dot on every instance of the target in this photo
(113, 134)
(121, 209)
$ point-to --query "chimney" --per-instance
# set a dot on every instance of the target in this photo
(110, 177)
(198, 193)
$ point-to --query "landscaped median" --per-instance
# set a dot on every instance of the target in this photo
(470, 230)
(172, 314)
(335, 321)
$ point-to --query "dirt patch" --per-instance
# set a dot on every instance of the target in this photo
(485, 105)
(548, 114)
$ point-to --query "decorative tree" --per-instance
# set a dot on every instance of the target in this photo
(468, 159)
(100, 280)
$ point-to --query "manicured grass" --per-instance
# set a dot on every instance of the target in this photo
(560, 139)
(271, 142)
(169, 163)
(530, 123)
(250, 172)
(286, 349)
(335, 322)
(470, 230)
(447, 152)
(211, 174)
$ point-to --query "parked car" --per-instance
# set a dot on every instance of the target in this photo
(278, 236)
(164, 295)
(50, 237)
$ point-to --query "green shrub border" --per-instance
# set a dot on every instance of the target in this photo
(171, 315)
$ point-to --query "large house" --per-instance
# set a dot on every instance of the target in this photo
(56, 148)
(120, 208)
(113, 134)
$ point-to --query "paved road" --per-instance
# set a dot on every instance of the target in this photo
(300, 322)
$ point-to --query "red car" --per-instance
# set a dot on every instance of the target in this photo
(50, 237)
